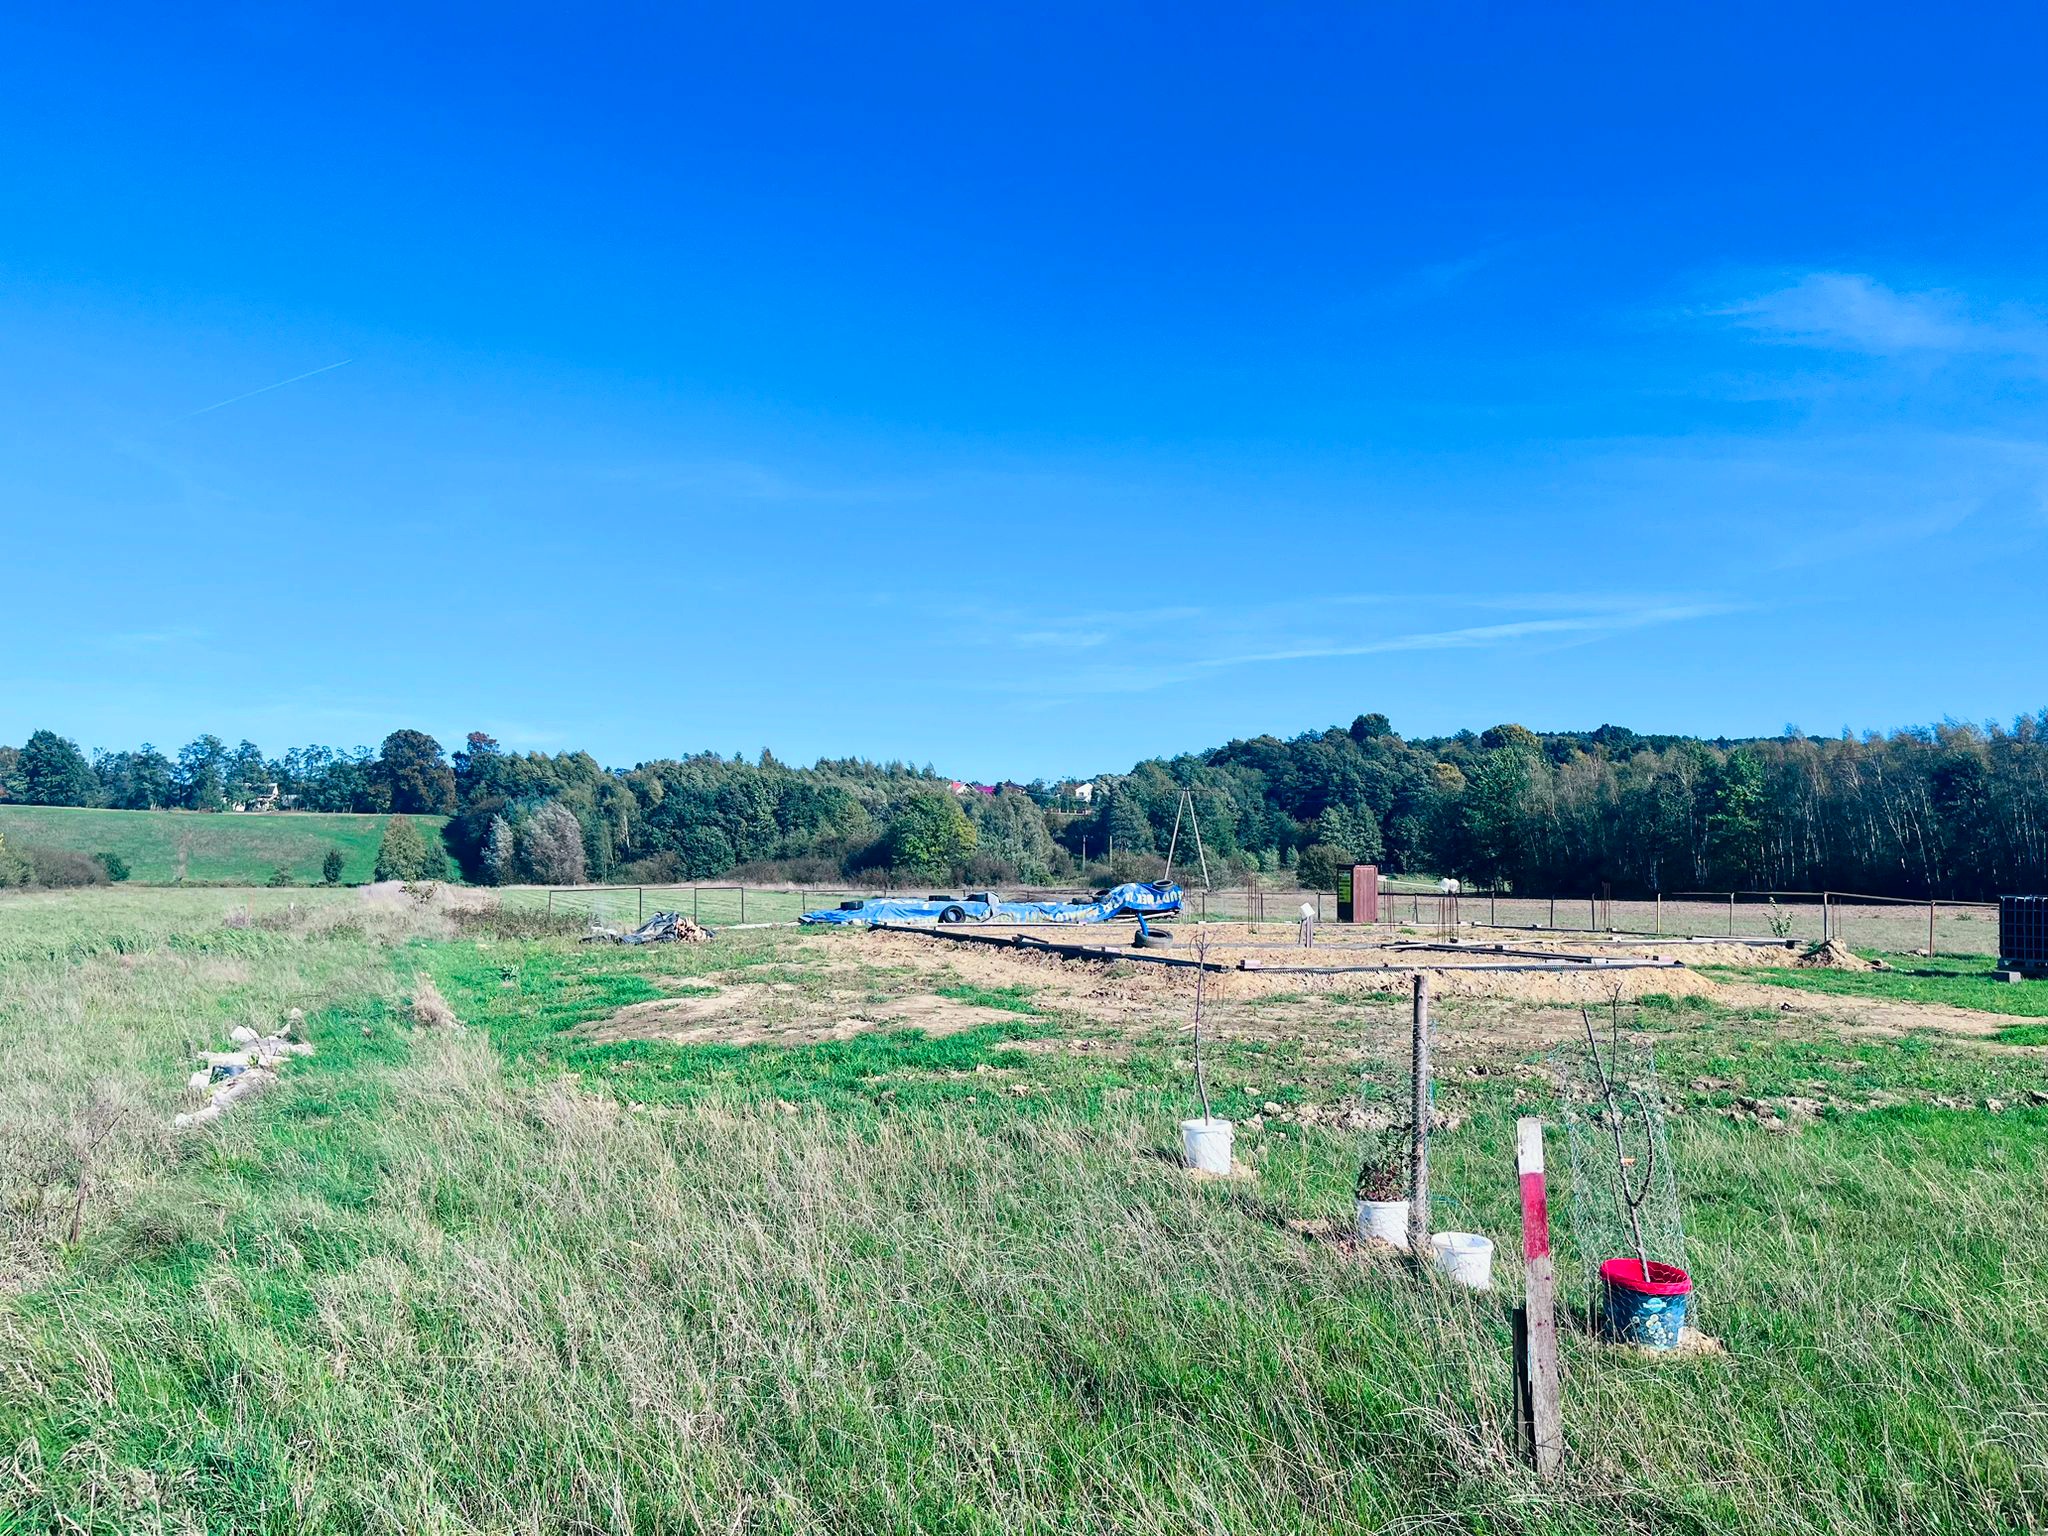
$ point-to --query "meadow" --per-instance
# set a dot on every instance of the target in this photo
(802, 1268)
(206, 847)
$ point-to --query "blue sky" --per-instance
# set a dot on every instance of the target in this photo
(1026, 393)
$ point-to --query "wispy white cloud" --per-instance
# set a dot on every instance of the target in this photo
(267, 388)
(1143, 658)
(133, 641)
(1482, 636)
(1853, 312)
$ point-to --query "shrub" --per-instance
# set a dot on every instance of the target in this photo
(115, 866)
(655, 869)
(282, 875)
(1316, 869)
(405, 855)
(331, 867)
(63, 867)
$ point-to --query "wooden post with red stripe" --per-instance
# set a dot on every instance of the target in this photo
(1538, 1409)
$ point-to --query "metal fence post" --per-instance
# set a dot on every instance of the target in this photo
(1660, 914)
(1827, 926)
(743, 903)
(1930, 930)
(551, 903)
(1731, 914)
(641, 890)
(693, 903)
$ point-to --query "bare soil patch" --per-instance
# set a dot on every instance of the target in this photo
(1117, 992)
(770, 1014)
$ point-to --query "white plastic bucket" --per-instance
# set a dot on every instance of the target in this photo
(1466, 1257)
(1384, 1221)
(1206, 1145)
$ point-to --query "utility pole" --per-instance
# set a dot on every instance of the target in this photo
(1185, 805)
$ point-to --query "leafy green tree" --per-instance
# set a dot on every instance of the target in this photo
(551, 846)
(52, 771)
(1735, 824)
(500, 859)
(331, 867)
(200, 779)
(929, 835)
(1010, 830)
(405, 854)
(1129, 828)
(420, 783)
(1496, 737)
(248, 777)
(1491, 813)
(115, 866)
(282, 875)
(705, 853)
(475, 766)
(133, 781)
(1350, 834)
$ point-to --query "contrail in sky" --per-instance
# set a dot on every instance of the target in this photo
(266, 389)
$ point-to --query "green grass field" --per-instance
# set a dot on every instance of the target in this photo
(526, 1277)
(1959, 981)
(207, 848)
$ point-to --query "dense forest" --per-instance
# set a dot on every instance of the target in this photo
(1952, 810)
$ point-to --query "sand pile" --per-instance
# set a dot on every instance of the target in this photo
(1834, 955)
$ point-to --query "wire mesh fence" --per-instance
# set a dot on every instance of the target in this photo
(1624, 1181)
(1895, 924)
(713, 905)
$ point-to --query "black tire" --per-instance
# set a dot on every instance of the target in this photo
(1152, 940)
(953, 915)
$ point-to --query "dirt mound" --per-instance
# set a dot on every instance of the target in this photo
(1834, 955)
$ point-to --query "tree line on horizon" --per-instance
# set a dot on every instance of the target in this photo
(1954, 810)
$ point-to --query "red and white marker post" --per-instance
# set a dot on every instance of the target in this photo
(1538, 1408)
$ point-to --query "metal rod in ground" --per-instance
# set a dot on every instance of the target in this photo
(1538, 1395)
(1418, 1111)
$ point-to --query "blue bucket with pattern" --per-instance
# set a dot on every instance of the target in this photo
(1644, 1305)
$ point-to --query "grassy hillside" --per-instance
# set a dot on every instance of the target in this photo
(197, 847)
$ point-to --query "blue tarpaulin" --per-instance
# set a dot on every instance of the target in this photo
(1159, 898)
